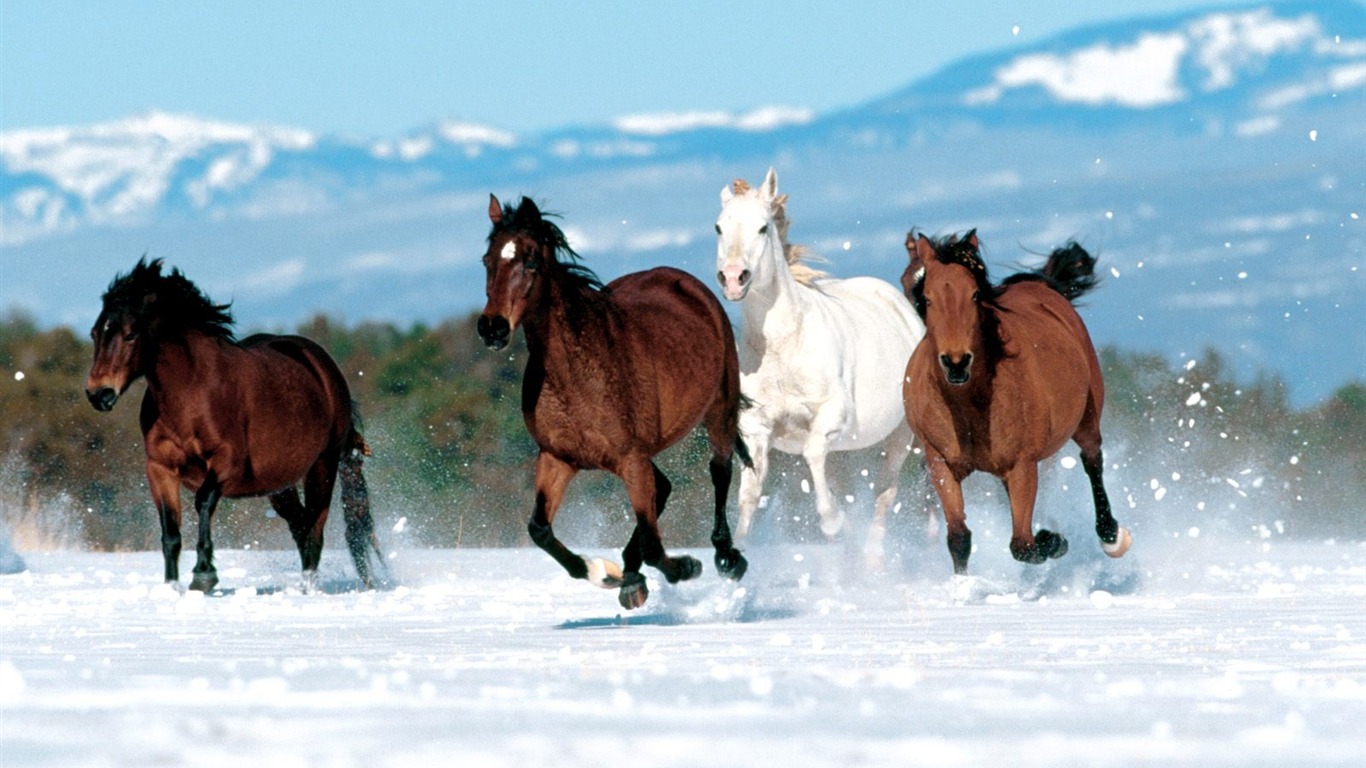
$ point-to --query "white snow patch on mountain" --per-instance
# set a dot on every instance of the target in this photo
(1147, 72)
(762, 119)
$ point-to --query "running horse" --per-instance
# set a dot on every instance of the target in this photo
(1005, 376)
(228, 418)
(616, 374)
(821, 358)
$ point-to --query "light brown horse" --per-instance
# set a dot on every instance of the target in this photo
(1004, 377)
(228, 418)
(616, 374)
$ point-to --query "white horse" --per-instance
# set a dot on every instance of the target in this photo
(821, 359)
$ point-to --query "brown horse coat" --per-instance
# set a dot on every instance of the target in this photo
(1004, 377)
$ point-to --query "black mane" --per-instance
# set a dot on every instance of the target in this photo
(170, 304)
(524, 218)
(1069, 270)
(951, 249)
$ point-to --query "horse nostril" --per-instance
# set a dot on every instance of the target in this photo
(494, 331)
(102, 399)
(744, 277)
(721, 277)
(956, 371)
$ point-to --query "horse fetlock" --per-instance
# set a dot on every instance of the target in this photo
(204, 581)
(832, 524)
(681, 568)
(603, 573)
(633, 592)
(1117, 548)
(731, 564)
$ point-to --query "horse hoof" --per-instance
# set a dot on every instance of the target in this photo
(603, 573)
(203, 582)
(633, 592)
(832, 527)
(1120, 545)
(732, 565)
(683, 568)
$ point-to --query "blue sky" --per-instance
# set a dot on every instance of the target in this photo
(382, 69)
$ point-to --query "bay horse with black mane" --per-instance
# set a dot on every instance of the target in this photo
(227, 418)
(616, 374)
(1004, 377)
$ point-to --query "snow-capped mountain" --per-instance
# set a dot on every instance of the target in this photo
(1214, 159)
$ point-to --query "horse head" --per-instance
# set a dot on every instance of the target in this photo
(947, 283)
(748, 246)
(120, 334)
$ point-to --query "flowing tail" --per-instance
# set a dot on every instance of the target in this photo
(1070, 270)
(360, 527)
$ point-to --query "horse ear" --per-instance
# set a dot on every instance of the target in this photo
(971, 238)
(769, 189)
(495, 210)
(923, 253)
(528, 208)
(726, 194)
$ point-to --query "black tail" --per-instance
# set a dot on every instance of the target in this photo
(1070, 270)
(355, 496)
(741, 449)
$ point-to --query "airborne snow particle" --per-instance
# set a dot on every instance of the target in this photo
(1193, 399)
(18, 375)
(1068, 462)
(1313, 135)
(1015, 30)
(846, 245)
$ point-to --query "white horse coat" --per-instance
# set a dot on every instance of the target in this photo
(821, 359)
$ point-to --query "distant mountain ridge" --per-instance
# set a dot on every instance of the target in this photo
(1191, 149)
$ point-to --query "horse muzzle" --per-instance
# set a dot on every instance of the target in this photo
(734, 282)
(956, 372)
(494, 330)
(102, 399)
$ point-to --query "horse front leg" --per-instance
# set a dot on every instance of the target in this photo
(832, 517)
(552, 478)
(1022, 486)
(949, 486)
(164, 484)
(643, 480)
(205, 503)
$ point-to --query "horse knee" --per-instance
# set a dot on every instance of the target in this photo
(541, 533)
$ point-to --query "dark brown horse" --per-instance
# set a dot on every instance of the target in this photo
(616, 374)
(228, 418)
(1004, 377)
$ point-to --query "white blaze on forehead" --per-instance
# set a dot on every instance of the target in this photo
(509, 250)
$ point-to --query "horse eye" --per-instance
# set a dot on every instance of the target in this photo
(131, 335)
(763, 230)
(976, 295)
(718, 229)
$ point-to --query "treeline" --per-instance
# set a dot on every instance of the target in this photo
(452, 462)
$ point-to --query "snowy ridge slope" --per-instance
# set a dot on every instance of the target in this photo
(1220, 177)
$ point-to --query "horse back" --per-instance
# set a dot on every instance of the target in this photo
(276, 406)
(646, 373)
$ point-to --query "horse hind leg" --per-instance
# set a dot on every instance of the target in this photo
(1114, 540)
(645, 545)
(895, 449)
(723, 434)
(308, 529)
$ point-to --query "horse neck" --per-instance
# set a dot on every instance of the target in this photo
(780, 302)
(183, 363)
(554, 330)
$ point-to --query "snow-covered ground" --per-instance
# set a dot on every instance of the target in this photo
(1190, 651)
